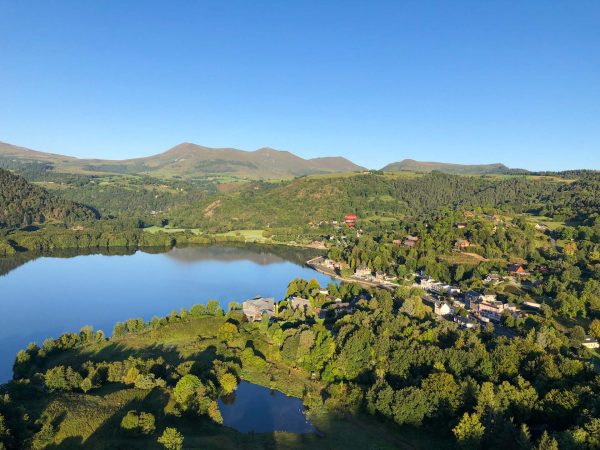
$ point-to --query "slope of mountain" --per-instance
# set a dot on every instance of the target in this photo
(310, 200)
(191, 160)
(22, 204)
(410, 165)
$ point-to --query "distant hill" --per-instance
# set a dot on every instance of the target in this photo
(190, 160)
(23, 204)
(410, 165)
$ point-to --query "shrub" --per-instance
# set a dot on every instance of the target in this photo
(228, 382)
(142, 423)
(60, 378)
(171, 439)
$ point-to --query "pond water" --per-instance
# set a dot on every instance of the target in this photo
(253, 408)
(47, 296)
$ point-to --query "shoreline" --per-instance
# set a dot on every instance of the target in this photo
(333, 274)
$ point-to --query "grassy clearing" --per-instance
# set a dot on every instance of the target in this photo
(544, 221)
(248, 235)
(156, 229)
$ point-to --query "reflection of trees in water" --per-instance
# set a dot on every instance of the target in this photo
(262, 254)
(14, 262)
(259, 253)
(229, 399)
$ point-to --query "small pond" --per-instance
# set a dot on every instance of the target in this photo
(254, 408)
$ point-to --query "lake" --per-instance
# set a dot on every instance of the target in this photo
(47, 296)
(253, 408)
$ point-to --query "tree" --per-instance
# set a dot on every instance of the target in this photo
(212, 307)
(214, 413)
(146, 423)
(142, 423)
(119, 329)
(595, 328)
(148, 381)
(131, 375)
(228, 382)
(86, 334)
(185, 390)
(227, 331)
(61, 378)
(547, 442)
(171, 439)
(469, 431)
(86, 385)
(198, 310)
(131, 421)
(524, 438)
(43, 438)
(410, 406)
(577, 335)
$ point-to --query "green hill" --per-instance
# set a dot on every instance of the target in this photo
(22, 204)
(304, 200)
(410, 165)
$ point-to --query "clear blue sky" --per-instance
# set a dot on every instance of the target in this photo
(458, 81)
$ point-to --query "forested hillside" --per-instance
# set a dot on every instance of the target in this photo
(314, 199)
(22, 204)
(410, 165)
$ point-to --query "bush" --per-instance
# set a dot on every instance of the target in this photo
(60, 378)
(185, 390)
(228, 382)
(171, 439)
(142, 423)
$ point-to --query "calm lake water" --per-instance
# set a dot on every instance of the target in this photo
(47, 296)
(262, 410)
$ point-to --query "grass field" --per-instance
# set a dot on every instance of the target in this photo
(157, 229)
(248, 235)
(542, 220)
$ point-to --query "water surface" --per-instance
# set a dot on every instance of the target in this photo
(48, 296)
(253, 408)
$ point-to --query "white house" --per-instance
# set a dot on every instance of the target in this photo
(590, 342)
(441, 308)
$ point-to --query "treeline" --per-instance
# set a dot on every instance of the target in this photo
(100, 235)
(23, 204)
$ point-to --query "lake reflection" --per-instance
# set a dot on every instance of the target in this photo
(47, 296)
(253, 408)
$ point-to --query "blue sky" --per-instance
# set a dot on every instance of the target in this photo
(456, 81)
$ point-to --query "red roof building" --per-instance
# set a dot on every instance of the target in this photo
(350, 220)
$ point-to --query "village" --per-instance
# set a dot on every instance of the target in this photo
(469, 309)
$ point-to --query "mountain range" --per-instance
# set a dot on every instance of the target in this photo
(191, 160)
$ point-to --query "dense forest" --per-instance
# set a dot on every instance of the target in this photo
(314, 199)
(389, 360)
(23, 204)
